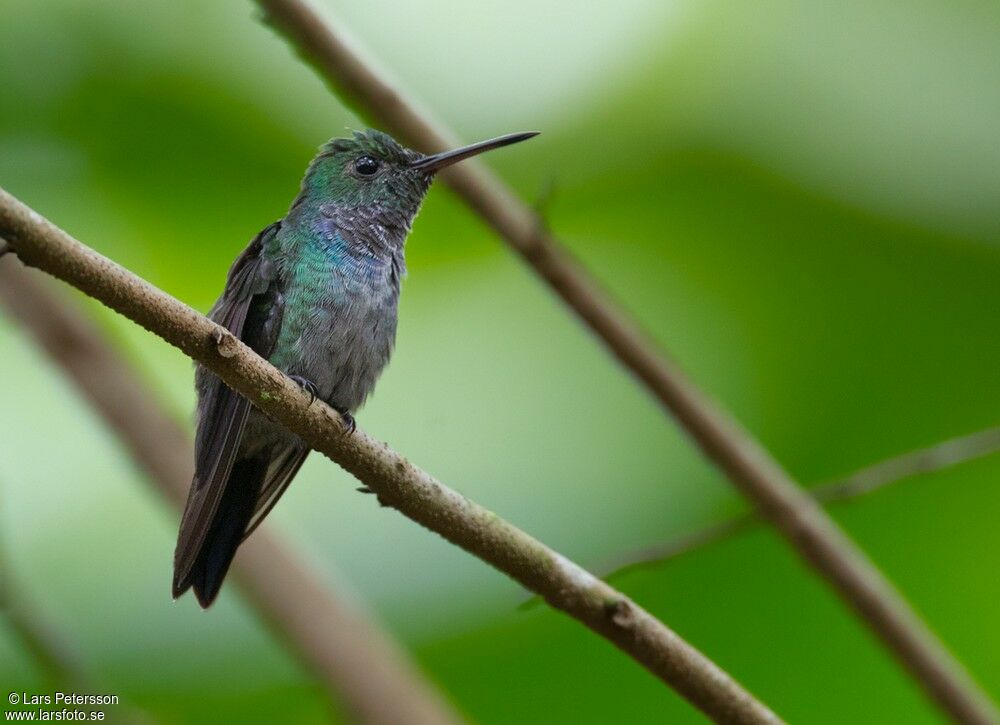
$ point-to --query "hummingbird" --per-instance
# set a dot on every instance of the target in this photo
(315, 293)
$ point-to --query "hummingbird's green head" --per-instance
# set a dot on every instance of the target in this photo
(371, 169)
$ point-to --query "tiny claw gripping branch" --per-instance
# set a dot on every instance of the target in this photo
(307, 385)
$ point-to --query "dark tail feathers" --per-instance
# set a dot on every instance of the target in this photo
(226, 532)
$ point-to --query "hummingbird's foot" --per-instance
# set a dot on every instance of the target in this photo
(364, 489)
(307, 385)
(349, 424)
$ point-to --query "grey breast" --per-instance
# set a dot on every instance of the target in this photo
(354, 340)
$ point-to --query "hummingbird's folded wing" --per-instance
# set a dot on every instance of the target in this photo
(282, 469)
(222, 412)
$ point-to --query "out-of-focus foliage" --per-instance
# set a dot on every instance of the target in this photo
(800, 200)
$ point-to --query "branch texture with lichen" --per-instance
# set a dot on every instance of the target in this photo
(816, 537)
(397, 482)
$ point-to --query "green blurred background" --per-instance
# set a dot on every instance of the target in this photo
(800, 200)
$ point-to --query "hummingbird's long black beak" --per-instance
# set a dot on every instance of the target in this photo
(435, 162)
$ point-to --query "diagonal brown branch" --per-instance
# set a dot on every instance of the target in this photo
(356, 662)
(398, 483)
(860, 483)
(806, 526)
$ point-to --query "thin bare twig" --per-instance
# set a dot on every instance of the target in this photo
(397, 483)
(751, 468)
(345, 650)
(912, 463)
(864, 481)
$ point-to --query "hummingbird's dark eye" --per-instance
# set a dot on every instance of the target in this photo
(366, 166)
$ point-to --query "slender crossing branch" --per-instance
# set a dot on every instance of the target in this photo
(860, 483)
(912, 463)
(747, 464)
